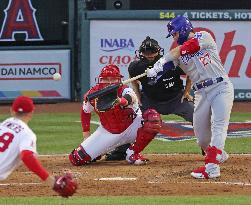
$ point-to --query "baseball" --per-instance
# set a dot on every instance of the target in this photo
(57, 76)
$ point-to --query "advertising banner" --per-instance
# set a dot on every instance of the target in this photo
(33, 22)
(115, 41)
(30, 73)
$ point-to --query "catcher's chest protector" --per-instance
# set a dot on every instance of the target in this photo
(117, 119)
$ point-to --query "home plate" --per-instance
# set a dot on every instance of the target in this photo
(116, 179)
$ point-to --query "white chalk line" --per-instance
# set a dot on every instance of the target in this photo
(134, 179)
(116, 179)
(227, 183)
(19, 184)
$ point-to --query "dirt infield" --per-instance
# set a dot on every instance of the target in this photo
(164, 175)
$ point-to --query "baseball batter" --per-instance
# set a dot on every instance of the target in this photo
(198, 57)
(18, 144)
(121, 124)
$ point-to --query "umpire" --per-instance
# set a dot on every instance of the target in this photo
(167, 96)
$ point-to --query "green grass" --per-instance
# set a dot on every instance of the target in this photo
(233, 145)
(61, 132)
(129, 200)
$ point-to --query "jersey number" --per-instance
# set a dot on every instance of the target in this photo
(205, 60)
(5, 139)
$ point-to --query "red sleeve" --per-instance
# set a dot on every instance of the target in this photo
(190, 47)
(85, 120)
(33, 164)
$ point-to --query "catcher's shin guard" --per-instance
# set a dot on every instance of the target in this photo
(145, 134)
(142, 140)
(79, 157)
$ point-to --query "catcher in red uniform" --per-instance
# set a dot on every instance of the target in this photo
(121, 122)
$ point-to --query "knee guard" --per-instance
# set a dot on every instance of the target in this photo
(151, 126)
(151, 121)
(79, 157)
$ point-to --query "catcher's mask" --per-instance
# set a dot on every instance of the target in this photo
(149, 49)
(110, 74)
(181, 25)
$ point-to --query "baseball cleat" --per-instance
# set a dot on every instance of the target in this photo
(135, 158)
(209, 171)
(223, 157)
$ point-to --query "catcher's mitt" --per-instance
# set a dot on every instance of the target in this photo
(106, 102)
(65, 185)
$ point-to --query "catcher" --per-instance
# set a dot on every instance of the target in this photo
(18, 143)
(120, 119)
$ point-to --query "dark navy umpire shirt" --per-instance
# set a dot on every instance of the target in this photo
(166, 88)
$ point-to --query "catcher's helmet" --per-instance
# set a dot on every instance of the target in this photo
(110, 71)
(181, 25)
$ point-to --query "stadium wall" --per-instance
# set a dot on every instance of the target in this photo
(113, 36)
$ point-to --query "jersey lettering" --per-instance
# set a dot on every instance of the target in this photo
(169, 85)
(5, 140)
(20, 18)
(205, 60)
(186, 58)
(198, 35)
(15, 127)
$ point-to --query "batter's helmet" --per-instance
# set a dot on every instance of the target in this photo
(181, 25)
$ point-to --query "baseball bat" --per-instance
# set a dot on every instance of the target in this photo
(112, 88)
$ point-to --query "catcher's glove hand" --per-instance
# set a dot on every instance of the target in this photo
(65, 185)
(106, 102)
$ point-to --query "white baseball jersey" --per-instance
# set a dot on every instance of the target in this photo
(204, 64)
(15, 136)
